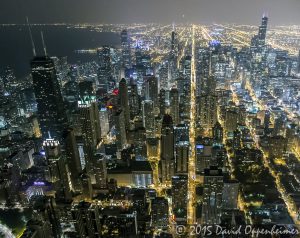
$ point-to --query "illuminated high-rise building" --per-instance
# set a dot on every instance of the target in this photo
(86, 184)
(87, 220)
(133, 100)
(58, 171)
(174, 105)
(167, 160)
(174, 42)
(119, 121)
(237, 139)
(181, 131)
(230, 194)
(51, 111)
(212, 196)
(162, 101)
(126, 51)
(187, 66)
(217, 133)
(182, 156)
(138, 55)
(208, 105)
(164, 76)
(258, 41)
(231, 120)
(160, 212)
(180, 198)
(185, 100)
(105, 68)
(203, 67)
(262, 32)
(203, 153)
(173, 56)
(104, 122)
(72, 157)
(151, 89)
(148, 116)
(123, 98)
(100, 170)
(90, 128)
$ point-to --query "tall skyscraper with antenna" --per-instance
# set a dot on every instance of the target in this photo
(259, 40)
(262, 32)
(51, 112)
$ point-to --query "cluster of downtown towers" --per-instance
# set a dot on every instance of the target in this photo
(115, 151)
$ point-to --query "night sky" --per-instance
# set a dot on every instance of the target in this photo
(281, 12)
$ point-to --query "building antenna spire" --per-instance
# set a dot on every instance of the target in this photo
(31, 38)
(44, 46)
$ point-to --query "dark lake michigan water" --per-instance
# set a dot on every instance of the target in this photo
(16, 50)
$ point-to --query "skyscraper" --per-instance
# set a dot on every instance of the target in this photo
(57, 168)
(86, 184)
(164, 76)
(182, 156)
(151, 89)
(105, 68)
(208, 105)
(174, 105)
(174, 42)
(217, 133)
(86, 219)
(126, 51)
(133, 100)
(259, 40)
(231, 120)
(181, 131)
(72, 157)
(166, 164)
(148, 116)
(104, 123)
(162, 102)
(203, 153)
(173, 56)
(230, 194)
(123, 98)
(160, 212)
(212, 197)
(51, 111)
(262, 32)
(187, 66)
(100, 170)
(90, 128)
(119, 121)
(180, 198)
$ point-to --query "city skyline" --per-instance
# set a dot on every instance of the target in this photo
(149, 130)
(143, 11)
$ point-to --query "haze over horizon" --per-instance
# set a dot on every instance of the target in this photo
(144, 11)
